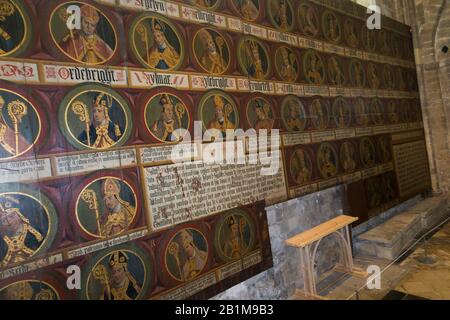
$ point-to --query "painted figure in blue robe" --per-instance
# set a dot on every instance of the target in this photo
(255, 67)
(12, 27)
(280, 16)
(6, 41)
(162, 55)
(120, 283)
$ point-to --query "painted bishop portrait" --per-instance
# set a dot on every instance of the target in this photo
(103, 132)
(86, 44)
(106, 207)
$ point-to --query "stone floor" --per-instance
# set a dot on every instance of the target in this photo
(422, 272)
(428, 268)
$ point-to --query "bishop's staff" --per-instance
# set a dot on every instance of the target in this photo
(180, 111)
(65, 16)
(174, 250)
(16, 111)
(242, 225)
(220, 43)
(228, 112)
(81, 110)
(90, 198)
(142, 31)
(45, 295)
(6, 10)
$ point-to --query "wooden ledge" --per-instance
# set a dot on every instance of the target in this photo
(303, 239)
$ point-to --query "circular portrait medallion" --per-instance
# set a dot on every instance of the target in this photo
(119, 273)
(301, 167)
(15, 26)
(396, 41)
(207, 4)
(313, 67)
(336, 72)
(416, 111)
(308, 17)
(400, 78)
(250, 10)
(384, 149)
(389, 77)
(20, 125)
(388, 185)
(29, 290)
(374, 192)
(156, 42)
(376, 112)
(393, 116)
(327, 160)
(342, 113)
(186, 254)
(211, 51)
(94, 42)
(368, 38)
(383, 42)
(367, 152)
(357, 73)
(234, 236)
(361, 112)
(408, 49)
(28, 224)
(293, 114)
(373, 76)
(106, 207)
(281, 14)
(286, 64)
(319, 113)
(411, 80)
(347, 155)
(331, 26)
(260, 114)
(165, 113)
(218, 111)
(404, 111)
(351, 32)
(253, 58)
(95, 117)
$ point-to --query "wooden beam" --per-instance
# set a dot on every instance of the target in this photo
(305, 238)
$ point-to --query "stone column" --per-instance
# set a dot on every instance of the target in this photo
(431, 28)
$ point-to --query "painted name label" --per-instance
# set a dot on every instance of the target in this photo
(71, 75)
(142, 79)
(201, 16)
(16, 71)
(147, 5)
(206, 82)
(25, 170)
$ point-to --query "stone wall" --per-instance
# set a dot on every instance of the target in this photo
(395, 9)
(431, 31)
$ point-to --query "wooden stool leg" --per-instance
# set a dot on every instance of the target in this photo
(349, 266)
(309, 291)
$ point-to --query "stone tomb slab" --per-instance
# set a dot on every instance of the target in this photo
(389, 238)
(432, 211)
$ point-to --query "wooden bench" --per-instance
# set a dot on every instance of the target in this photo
(308, 242)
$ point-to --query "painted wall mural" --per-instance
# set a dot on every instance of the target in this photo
(89, 116)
